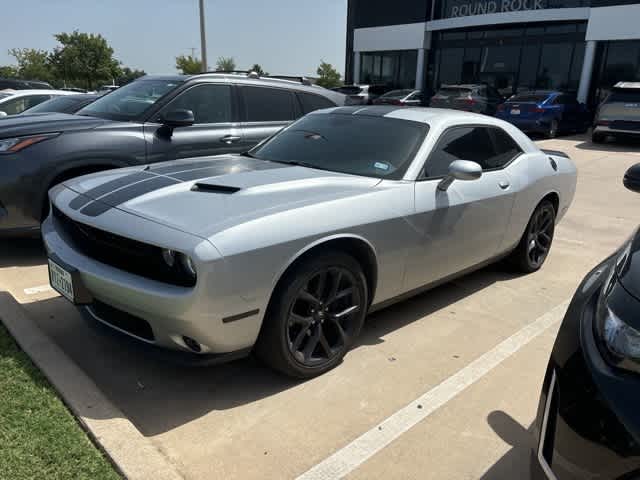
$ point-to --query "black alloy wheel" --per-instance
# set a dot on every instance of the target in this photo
(321, 316)
(534, 246)
(315, 315)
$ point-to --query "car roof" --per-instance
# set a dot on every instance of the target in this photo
(49, 91)
(627, 85)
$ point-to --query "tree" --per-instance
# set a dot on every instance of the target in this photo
(226, 64)
(127, 75)
(188, 64)
(8, 71)
(32, 64)
(328, 77)
(84, 58)
(258, 69)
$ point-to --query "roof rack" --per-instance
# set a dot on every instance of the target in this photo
(252, 74)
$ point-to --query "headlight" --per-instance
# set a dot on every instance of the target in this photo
(188, 265)
(13, 145)
(180, 264)
(619, 341)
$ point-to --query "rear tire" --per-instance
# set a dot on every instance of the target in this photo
(315, 315)
(535, 244)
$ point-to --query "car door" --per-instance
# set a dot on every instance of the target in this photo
(214, 130)
(463, 226)
(265, 111)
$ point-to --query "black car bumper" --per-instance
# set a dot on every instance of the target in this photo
(588, 421)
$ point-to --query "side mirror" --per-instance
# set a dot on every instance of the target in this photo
(632, 178)
(460, 170)
(3, 113)
(178, 118)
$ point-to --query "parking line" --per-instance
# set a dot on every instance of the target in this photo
(357, 452)
(38, 289)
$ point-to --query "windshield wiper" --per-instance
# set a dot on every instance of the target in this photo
(247, 154)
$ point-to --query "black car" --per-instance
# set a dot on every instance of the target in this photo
(588, 422)
(152, 119)
(15, 84)
(62, 104)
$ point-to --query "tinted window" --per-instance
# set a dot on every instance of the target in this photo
(130, 101)
(491, 148)
(631, 96)
(268, 104)
(529, 98)
(356, 144)
(209, 103)
(20, 104)
(312, 102)
(65, 103)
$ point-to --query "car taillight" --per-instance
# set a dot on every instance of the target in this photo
(501, 107)
(538, 109)
(469, 101)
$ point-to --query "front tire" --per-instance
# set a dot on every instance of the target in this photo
(315, 315)
(534, 246)
(553, 129)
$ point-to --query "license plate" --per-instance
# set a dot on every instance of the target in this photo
(515, 111)
(61, 280)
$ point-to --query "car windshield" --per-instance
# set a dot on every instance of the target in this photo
(397, 94)
(355, 144)
(529, 98)
(454, 91)
(58, 104)
(624, 96)
(130, 101)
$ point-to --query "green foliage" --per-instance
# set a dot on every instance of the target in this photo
(188, 64)
(258, 69)
(39, 438)
(127, 75)
(32, 64)
(328, 77)
(225, 64)
(85, 59)
(8, 71)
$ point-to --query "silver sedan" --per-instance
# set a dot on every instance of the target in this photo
(284, 250)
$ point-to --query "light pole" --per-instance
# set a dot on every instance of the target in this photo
(203, 39)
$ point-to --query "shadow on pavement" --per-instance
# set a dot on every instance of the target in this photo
(515, 463)
(159, 396)
(21, 252)
(628, 145)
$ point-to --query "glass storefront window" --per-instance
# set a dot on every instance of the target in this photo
(395, 69)
(554, 66)
(528, 67)
(451, 65)
(576, 67)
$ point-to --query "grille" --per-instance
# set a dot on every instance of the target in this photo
(123, 253)
(625, 125)
(122, 320)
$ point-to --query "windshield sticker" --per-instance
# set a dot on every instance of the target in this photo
(381, 166)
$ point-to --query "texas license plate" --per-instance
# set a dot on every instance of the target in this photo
(515, 111)
(61, 280)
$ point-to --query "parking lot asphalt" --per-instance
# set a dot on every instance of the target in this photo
(462, 351)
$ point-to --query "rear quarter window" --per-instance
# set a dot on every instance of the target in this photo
(311, 102)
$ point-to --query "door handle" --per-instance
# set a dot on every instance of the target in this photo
(504, 184)
(229, 139)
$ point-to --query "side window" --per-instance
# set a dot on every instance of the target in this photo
(20, 104)
(34, 100)
(490, 147)
(209, 103)
(506, 149)
(311, 102)
(264, 104)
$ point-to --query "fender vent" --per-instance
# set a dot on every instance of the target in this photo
(207, 187)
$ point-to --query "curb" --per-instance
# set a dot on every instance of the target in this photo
(132, 453)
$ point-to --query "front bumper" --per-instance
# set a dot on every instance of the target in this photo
(587, 425)
(156, 313)
(615, 132)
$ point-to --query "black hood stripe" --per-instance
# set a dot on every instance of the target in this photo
(125, 194)
(81, 200)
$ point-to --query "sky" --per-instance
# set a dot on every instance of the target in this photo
(286, 37)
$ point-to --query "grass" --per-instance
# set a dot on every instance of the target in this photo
(39, 438)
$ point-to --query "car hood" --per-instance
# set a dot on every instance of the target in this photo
(208, 195)
(20, 125)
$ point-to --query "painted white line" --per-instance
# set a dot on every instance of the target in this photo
(38, 289)
(347, 459)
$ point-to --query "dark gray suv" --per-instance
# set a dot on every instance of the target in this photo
(153, 119)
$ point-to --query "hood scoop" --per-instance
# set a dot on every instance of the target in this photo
(211, 188)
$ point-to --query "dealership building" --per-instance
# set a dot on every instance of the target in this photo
(583, 46)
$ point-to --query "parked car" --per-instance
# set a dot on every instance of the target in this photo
(469, 98)
(74, 89)
(62, 104)
(15, 84)
(618, 116)
(104, 89)
(546, 112)
(362, 94)
(407, 98)
(20, 100)
(588, 424)
(152, 119)
(285, 249)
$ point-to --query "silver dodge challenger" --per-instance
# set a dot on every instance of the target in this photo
(283, 250)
